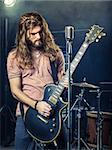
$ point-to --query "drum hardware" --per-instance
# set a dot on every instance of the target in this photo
(78, 101)
(79, 98)
(91, 128)
(85, 85)
(103, 91)
(100, 120)
(99, 123)
(105, 83)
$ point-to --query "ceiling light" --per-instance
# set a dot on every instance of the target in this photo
(9, 3)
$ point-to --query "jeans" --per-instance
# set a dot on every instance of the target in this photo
(23, 141)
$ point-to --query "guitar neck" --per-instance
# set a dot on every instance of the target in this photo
(77, 59)
(56, 94)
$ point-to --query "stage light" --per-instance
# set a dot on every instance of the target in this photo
(9, 3)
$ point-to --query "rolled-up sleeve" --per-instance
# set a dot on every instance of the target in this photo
(13, 69)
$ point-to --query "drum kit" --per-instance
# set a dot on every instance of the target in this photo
(98, 122)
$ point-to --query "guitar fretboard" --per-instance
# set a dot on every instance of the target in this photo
(58, 91)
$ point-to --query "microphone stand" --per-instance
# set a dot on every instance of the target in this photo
(69, 48)
(69, 35)
(99, 123)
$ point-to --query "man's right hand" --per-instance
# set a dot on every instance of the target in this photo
(43, 108)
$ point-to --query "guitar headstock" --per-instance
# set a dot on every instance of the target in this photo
(95, 33)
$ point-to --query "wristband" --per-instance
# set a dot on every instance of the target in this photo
(36, 104)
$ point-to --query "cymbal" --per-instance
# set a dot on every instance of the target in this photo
(106, 82)
(103, 91)
(85, 85)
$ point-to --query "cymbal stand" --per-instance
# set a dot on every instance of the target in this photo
(79, 100)
(79, 115)
(99, 122)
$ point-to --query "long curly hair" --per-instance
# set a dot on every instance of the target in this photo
(24, 54)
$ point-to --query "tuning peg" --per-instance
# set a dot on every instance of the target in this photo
(99, 36)
(103, 34)
(97, 40)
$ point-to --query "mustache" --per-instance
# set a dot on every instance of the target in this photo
(31, 44)
(39, 41)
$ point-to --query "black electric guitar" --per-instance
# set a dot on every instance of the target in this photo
(45, 129)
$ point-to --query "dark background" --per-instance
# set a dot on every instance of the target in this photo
(96, 64)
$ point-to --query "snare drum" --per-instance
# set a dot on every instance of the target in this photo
(92, 128)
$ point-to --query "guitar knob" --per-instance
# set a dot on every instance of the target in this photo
(99, 36)
(97, 40)
(54, 125)
(51, 130)
(54, 119)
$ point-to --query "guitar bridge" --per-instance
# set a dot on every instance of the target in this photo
(42, 119)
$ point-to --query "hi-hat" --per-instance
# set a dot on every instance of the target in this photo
(85, 85)
(106, 83)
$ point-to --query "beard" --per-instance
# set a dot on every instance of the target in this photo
(37, 45)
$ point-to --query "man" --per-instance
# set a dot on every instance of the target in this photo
(29, 70)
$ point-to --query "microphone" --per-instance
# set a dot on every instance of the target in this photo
(69, 33)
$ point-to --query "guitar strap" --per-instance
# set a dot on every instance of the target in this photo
(54, 71)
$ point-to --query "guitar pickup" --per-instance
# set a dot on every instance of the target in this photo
(42, 119)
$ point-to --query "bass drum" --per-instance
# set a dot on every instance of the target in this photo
(92, 129)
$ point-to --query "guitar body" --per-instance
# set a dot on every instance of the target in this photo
(41, 128)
